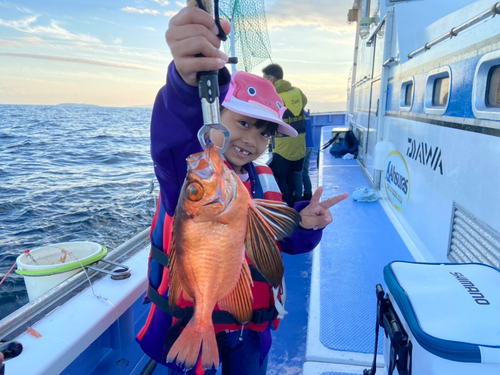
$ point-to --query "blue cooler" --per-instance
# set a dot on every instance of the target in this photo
(440, 319)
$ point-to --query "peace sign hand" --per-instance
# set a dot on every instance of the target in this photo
(317, 214)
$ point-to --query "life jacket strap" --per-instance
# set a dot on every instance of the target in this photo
(159, 256)
(218, 317)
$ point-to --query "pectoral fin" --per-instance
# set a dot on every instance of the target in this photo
(267, 223)
(239, 301)
(174, 287)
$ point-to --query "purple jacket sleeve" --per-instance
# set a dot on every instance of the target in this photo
(303, 240)
(176, 119)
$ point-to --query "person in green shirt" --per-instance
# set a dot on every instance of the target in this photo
(288, 152)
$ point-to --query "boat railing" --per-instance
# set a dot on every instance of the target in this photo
(36, 309)
(375, 32)
(493, 11)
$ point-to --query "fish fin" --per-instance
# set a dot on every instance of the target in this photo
(186, 296)
(171, 253)
(174, 290)
(269, 222)
(174, 287)
(186, 349)
(281, 219)
(239, 301)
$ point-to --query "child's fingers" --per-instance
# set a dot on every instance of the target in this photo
(194, 46)
(194, 15)
(202, 64)
(333, 200)
(180, 33)
(316, 196)
(226, 26)
(193, 65)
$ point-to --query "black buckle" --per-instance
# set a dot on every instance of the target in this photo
(264, 315)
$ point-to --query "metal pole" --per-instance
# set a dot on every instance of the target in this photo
(233, 53)
(233, 66)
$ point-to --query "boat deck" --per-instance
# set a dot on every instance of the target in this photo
(347, 265)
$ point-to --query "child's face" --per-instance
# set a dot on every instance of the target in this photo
(247, 142)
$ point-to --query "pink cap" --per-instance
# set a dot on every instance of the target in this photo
(256, 97)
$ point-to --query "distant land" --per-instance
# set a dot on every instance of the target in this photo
(94, 105)
(78, 105)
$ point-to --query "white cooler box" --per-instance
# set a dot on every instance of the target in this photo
(440, 319)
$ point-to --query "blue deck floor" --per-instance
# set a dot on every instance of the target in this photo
(353, 252)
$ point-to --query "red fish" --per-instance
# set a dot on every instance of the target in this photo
(215, 222)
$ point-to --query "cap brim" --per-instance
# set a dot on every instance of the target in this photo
(261, 114)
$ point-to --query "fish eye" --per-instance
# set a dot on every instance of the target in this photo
(195, 191)
(252, 91)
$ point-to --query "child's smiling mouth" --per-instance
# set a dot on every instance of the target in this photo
(241, 151)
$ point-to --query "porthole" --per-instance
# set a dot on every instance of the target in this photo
(441, 91)
(407, 92)
(486, 88)
(437, 91)
(492, 98)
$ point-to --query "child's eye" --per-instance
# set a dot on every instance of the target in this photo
(244, 124)
(265, 135)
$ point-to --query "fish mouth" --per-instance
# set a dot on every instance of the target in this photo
(214, 200)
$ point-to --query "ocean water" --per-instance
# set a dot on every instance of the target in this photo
(70, 173)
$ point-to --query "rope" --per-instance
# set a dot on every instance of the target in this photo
(7, 274)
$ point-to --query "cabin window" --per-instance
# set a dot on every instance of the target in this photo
(486, 87)
(409, 94)
(407, 90)
(441, 91)
(438, 91)
(493, 87)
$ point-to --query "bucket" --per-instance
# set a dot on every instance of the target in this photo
(45, 267)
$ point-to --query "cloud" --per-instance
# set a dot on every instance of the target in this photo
(178, 3)
(53, 30)
(8, 43)
(32, 39)
(170, 13)
(82, 60)
(17, 7)
(161, 2)
(141, 11)
(116, 40)
(326, 15)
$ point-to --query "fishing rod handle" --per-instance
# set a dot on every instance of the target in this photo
(208, 89)
(10, 349)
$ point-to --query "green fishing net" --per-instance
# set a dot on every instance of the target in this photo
(251, 41)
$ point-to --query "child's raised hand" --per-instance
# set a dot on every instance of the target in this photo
(193, 31)
(317, 214)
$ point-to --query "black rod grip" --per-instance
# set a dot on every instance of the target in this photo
(208, 85)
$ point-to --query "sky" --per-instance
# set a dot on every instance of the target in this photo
(113, 53)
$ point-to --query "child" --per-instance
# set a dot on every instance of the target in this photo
(247, 112)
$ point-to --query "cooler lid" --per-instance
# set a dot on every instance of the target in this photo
(452, 309)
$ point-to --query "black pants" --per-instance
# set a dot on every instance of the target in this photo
(284, 170)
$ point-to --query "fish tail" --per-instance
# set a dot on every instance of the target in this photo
(186, 349)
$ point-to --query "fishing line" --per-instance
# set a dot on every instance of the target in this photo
(108, 301)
